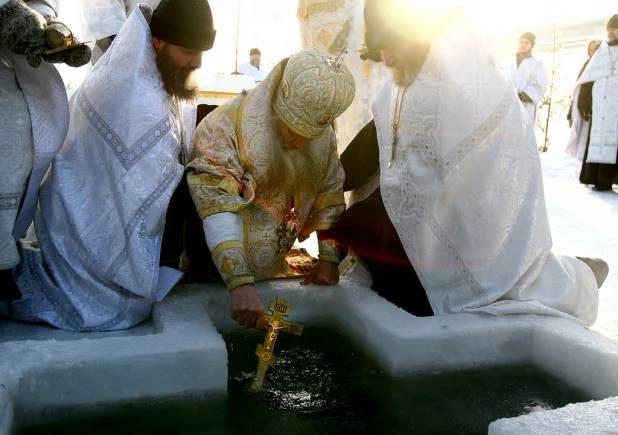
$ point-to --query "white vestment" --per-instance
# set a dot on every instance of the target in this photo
(103, 18)
(465, 191)
(102, 207)
(248, 69)
(529, 77)
(604, 130)
(33, 124)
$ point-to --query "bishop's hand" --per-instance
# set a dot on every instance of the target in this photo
(246, 307)
(323, 273)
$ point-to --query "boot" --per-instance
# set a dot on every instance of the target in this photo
(599, 268)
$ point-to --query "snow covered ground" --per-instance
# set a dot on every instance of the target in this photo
(584, 223)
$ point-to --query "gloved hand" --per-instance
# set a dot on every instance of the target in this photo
(524, 98)
(22, 31)
(74, 57)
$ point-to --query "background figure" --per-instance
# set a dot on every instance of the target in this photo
(32, 98)
(254, 67)
(594, 113)
(528, 74)
(103, 20)
(591, 48)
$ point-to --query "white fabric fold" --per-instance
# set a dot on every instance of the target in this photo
(222, 227)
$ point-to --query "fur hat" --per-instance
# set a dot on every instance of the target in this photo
(530, 37)
(187, 23)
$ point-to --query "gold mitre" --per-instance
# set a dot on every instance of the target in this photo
(315, 89)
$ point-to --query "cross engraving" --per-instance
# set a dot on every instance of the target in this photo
(264, 352)
(341, 51)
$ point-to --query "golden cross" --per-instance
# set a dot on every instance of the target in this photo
(612, 69)
(280, 309)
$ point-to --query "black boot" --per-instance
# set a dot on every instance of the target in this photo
(602, 187)
(8, 289)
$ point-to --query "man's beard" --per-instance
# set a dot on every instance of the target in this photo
(176, 82)
(403, 76)
(407, 67)
(288, 164)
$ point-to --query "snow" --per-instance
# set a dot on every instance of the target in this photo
(584, 222)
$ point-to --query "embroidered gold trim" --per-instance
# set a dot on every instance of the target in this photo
(328, 199)
(237, 281)
(224, 246)
(220, 208)
(310, 7)
(241, 142)
(201, 180)
(328, 258)
(208, 180)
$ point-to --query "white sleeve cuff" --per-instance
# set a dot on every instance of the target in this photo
(222, 227)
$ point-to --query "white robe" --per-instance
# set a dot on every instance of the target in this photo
(529, 77)
(103, 18)
(465, 192)
(41, 88)
(248, 69)
(604, 129)
(102, 207)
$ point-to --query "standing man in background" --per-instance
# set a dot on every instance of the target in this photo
(529, 75)
(254, 67)
(594, 113)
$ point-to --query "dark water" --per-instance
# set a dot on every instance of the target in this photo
(323, 385)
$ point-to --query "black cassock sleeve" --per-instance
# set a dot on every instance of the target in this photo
(584, 102)
(361, 159)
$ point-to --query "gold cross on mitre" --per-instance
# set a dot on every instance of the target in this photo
(280, 309)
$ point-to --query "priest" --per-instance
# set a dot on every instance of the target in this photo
(594, 114)
(460, 175)
(267, 172)
(32, 98)
(95, 262)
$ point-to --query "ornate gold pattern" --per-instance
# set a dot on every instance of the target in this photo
(237, 281)
(317, 91)
(228, 265)
(230, 244)
(242, 151)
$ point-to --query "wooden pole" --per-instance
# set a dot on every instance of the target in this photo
(236, 72)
